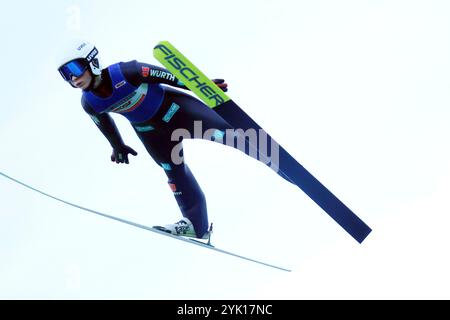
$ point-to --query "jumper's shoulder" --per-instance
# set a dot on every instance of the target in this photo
(136, 68)
(132, 72)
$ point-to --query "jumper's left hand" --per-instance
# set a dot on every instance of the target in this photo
(221, 84)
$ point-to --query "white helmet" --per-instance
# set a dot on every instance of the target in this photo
(82, 51)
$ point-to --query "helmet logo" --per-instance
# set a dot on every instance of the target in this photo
(92, 55)
(95, 63)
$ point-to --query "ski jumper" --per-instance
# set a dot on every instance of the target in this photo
(155, 111)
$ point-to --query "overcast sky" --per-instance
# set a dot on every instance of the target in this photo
(357, 91)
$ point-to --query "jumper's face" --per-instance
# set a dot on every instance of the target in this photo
(83, 81)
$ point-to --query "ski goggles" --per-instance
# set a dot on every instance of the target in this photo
(73, 68)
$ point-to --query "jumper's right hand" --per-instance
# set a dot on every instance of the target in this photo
(120, 154)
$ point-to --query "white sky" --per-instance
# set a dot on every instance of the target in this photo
(357, 91)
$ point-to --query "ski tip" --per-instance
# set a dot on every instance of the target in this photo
(163, 43)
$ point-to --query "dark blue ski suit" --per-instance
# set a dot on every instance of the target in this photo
(139, 92)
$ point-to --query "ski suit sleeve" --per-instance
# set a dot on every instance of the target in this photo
(137, 72)
(106, 124)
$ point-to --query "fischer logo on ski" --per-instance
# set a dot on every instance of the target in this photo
(190, 75)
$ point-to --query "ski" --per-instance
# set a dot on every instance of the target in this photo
(287, 167)
(141, 226)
